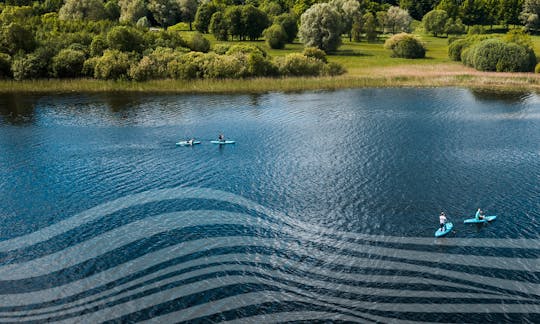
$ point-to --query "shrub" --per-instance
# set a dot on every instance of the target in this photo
(5, 66)
(154, 65)
(223, 66)
(537, 68)
(405, 46)
(15, 38)
(315, 53)
(143, 23)
(258, 65)
(275, 36)
(125, 39)
(497, 55)
(455, 49)
(27, 67)
(89, 66)
(245, 49)
(68, 63)
(296, 64)
(166, 38)
(289, 24)
(198, 43)
(221, 48)
(188, 66)
(333, 69)
(98, 45)
(112, 65)
(476, 30)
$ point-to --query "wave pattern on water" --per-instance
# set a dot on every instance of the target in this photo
(257, 265)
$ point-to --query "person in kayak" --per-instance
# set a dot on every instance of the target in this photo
(479, 214)
(190, 141)
(442, 220)
(221, 138)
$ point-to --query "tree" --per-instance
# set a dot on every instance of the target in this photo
(275, 36)
(435, 21)
(68, 63)
(188, 10)
(452, 7)
(347, 9)
(219, 26)
(370, 27)
(255, 21)
(204, 15)
(82, 9)
(165, 12)
(233, 15)
(131, 10)
(398, 19)
(474, 12)
(125, 39)
(288, 22)
(530, 16)
(98, 45)
(321, 26)
(454, 27)
(15, 38)
(510, 11)
(357, 28)
(417, 8)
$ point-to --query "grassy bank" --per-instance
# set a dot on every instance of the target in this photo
(368, 65)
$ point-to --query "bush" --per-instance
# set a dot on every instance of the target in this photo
(455, 49)
(405, 46)
(112, 65)
(165, 38)
(258, 65)
(221, 48)
(5, 66)
(198, 43)
(476, 30)
(125, 39)
(89, 66)
(15, 38)
(315, 53)
(500, 56)
(68, 63)
(154, 65)
(537, 68)
(143, 23)
(223, 66)
(275, 36)
(98, 45)
(188, 66)
(333, 69)
(296, 64)
(289, 24)
(245, 49)
(27, 67)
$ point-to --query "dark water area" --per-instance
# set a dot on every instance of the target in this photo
(357, 163)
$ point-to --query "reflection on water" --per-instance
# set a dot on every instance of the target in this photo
(509, 97)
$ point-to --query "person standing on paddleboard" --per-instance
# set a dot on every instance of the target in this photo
(221, 138)
(442, 220)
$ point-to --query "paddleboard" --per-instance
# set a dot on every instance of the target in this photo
(445, 230)
(477, 221)
(185, 143)
(222, 142)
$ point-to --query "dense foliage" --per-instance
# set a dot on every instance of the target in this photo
(139, 39)
(405, 46)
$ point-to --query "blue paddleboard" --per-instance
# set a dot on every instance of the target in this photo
(477, 221)
(222, 142)
(445, 230)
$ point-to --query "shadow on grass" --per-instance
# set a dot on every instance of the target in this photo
(349, 53)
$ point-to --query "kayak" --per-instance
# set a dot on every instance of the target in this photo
(222, 142)
(185, 143)
(478, 221)
(445, 230)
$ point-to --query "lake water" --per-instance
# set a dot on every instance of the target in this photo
(324, 209)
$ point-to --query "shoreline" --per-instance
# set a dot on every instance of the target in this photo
(394, 77)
